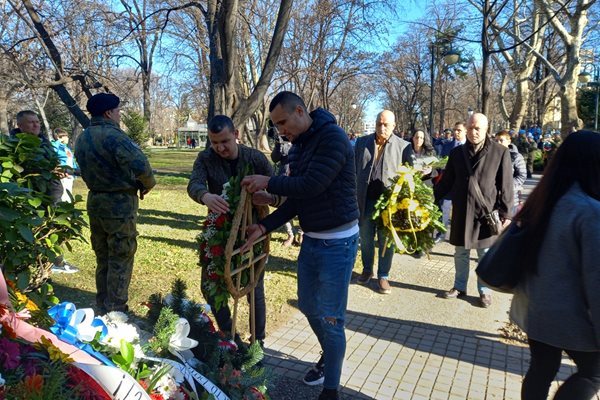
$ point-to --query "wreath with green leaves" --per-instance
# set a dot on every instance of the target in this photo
(212, 240)
(408, 213)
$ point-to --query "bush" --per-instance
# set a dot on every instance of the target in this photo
(32, 228)
(136, 127)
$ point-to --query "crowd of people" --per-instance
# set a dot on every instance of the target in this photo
(331, 186)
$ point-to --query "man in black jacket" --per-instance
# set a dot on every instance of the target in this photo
(321, 191)
(491, 169)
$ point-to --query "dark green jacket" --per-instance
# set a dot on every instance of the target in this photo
(113, 168)
(210, 171)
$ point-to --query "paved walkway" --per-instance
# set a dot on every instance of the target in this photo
(411, 344)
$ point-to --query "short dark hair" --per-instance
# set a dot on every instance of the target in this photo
(24, 113)
(504, 133)
(288, 101)
(61, 132)
(220, 122)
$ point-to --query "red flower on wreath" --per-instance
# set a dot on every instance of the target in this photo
(216, 251)
(34, 384)
(213, 276)
(220, 221)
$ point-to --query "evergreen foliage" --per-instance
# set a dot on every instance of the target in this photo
(235, 372)
(136, 127)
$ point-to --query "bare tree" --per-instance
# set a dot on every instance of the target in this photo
(144, 27)
(572, 34)
(521, 61)
(222, 21)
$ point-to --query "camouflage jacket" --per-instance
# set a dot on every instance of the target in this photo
(211, 171)
(114, 169)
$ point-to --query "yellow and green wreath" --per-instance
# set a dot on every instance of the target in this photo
(408, 213)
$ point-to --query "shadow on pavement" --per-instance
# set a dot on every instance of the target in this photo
(471, 346)
(473, 300)
(287, 383)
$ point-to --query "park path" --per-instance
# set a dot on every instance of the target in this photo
(411, 344)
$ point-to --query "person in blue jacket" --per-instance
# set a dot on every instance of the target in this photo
(67, 161)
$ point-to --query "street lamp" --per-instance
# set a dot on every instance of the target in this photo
(469, 112)
(450, 57)
(586, 78)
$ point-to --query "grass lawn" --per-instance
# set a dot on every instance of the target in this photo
(168, 224)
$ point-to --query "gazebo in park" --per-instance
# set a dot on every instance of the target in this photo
(193, 130)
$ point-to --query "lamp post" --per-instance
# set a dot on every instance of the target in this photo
(469, 112)
(450, 57)
(586, 77)
(355, 116)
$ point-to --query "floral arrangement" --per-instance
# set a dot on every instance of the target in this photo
(212, 241)
(234, 368)
(122, 343)
(41, 371)
(34, 364)
(408, 213)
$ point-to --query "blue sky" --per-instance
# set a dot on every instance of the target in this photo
(411, 11)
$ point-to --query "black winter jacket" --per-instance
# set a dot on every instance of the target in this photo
(321, 188)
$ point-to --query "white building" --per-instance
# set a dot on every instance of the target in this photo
(192, 130)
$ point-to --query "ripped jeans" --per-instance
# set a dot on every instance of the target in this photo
(324, 271)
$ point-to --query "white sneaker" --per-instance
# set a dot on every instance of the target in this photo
(65, 268)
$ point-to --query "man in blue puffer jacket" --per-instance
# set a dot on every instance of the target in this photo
(321, 191)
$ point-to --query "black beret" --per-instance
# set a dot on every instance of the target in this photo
(99, 103)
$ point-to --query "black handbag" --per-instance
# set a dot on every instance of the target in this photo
(491, 218)
(501, 268)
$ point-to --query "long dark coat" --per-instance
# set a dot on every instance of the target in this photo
(492, 168)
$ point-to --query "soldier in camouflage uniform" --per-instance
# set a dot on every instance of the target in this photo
(115, 170)
(213, 168)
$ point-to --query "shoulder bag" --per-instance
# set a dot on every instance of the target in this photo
(501, 267)
(490, 217)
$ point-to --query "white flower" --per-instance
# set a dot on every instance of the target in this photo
(166, 386)
(138, 352)
(119, 330)
(226, 186)
(117, 317)
(2, 381)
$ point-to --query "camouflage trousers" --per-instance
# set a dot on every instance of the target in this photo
(114, 242)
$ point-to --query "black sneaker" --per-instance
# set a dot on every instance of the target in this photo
(329, 394)
(316, 375)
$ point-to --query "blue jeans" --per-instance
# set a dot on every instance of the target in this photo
(368, 229)
(324, 271)
(461, 266)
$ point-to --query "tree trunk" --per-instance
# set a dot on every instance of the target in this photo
(485, 62)
(71, 103)
(568, 107)
(54, 55)
(147, 102)
(521, 100)
(4, 112)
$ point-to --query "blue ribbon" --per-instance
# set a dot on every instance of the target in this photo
(63, 314)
